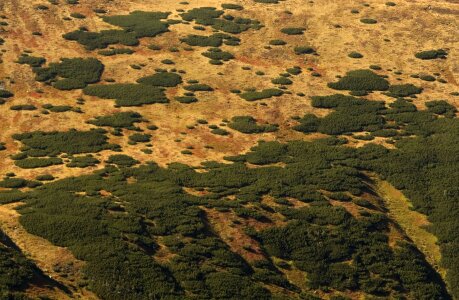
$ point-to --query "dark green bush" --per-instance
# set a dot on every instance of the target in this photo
(164, 79)
(259, 95)
(404, 90)
(127, 94)
(431, 54)
(118, 120)
(293, 30)
(304, 50)
(247, 124)
(360, 80)
(121, 160)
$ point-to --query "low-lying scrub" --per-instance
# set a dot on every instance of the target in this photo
(128, 94)
(247, 124)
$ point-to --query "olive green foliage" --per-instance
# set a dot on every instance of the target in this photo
(404, 90)
(247, 124)
(217, 54)
(293, 30)
(210, 16)
(35, 162)
(198, 87)
(32, 61)
(40, 144)
(83, 161)
(102, 39)
(137, 24)
(121, 160)
(23, 107)
(353, 114)
(431, 54)
(232, 6)
(355, 54)
(71, 73)
(15, 271)
(112, 52)
(441, 107)
(140, 138)
(277, 42)
(186, 99)
(259, 95)
(282, 80)
(304, 50)
(368, 21)
(164, 79)
(214, 40)
(354, 253)
(5, 94)
(128, 94)
(57, 108)
(118, 120)
(360, 80)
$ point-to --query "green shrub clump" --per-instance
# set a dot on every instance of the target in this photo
(247, 124)
(404, 90)
(361, 80)
(128, 94)
(71, 73)
(136, 25)
(259, 95)
(164, 79)
(293, 30)
(118, 120)
(431, 54)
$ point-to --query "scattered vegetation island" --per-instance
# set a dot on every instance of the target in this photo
(259, 149)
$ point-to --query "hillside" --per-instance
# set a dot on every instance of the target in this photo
(246, 149)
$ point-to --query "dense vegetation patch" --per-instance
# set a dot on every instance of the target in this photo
(259, 95)
(70, 73)
(210, 16)
(360, 80)
(118, 120)
(404, 90)
(39, 143)
(293, 30)
(164, 79)
(431, 54)
(137, 24)
(247, 124)
(128, 94)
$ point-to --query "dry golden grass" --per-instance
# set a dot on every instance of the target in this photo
(413, 223)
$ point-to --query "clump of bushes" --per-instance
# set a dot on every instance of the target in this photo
(304, 50)
(360, 80)
(259, 95)
(404, 90)
(293, 30)
(164, 79)
(122, 160)
(368, 21)
(355, 54)
(247, 124)
(432, 54)
(71, 73)
(118, 120)
(112, 52)
(136, 25)
(127, 94)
